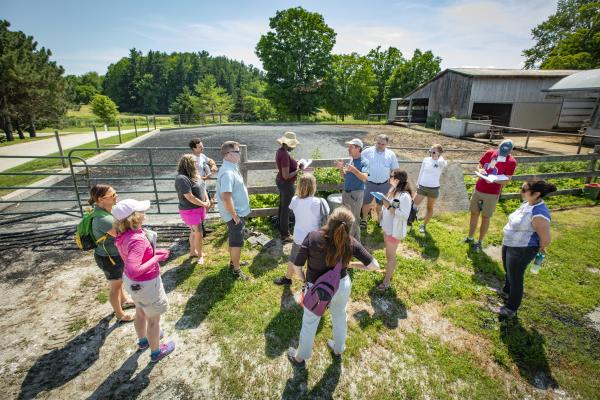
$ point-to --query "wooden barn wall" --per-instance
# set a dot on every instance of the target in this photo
(448, 95)
(511, 90)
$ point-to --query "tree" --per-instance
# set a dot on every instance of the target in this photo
(348, 87)
(211, 98)
(383, 64)
(254, 103)
(81, 89)
(32, 89)
(412, 73)
(184, 103)
(296, 54)
(568, 39)
(104, 108)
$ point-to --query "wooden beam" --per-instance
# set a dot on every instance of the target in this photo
(557, 175)
(507, 196)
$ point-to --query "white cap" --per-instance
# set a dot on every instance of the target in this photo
(356, 142)
(126, 207)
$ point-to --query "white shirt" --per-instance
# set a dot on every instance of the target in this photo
(202, 164)
(395, 224)
(380, 163)
(307, 212)
(431, 170)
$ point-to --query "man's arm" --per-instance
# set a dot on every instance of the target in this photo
(228, 205)
(212, 164)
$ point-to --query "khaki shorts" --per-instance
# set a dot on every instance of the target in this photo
(428, 191)
(150, 297)
(484, 203)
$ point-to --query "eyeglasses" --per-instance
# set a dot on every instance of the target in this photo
(111, 195)
(434, 152)
(381, 144)
(234, 151)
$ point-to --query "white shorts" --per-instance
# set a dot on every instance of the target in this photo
(150, 296)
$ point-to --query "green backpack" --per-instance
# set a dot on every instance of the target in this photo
(84, 238)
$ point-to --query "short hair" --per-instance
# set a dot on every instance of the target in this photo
(134, 221)
(383, 136)
(307, 186)
(228, 146)
(194, 142)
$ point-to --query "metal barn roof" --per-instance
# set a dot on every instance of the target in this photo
(584, 80)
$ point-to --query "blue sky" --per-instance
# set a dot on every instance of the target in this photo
(89, 35)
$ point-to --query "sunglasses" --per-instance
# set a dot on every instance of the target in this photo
(112, 195)
(234, 151)
(524, 189)
(381, 144)
(434, 152)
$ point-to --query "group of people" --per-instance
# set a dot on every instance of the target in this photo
(320, 240)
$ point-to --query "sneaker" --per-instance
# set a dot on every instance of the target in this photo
(505, 312)
(165, 350)
(331, 345)
(469, 240)
(422, 228)
(143, 344)
(499, 292)
(239, 274)
(282, 280)
(291, 356)
(477, 247)
(363, 224)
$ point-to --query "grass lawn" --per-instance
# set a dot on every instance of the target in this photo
(54, 165)
(430, 337)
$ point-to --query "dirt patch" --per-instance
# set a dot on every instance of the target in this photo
(594, 318)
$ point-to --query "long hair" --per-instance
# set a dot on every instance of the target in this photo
(187, 167)
(134, 221)
(97, 192)
(540, 186)
(337, 237)
(307, 186)
(403, 185)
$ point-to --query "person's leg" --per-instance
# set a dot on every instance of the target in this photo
(193, 252)
(310, 323)
(356, 205)
(235, 254)
(483, 229)
(140, 323)
(506, 288)
(473, 223)
(153, 332)
(125, 298)
(518, 260)
(338, 307)
(116, 285)
(198, 241)
(390, 267)
(429, 214)
(286, 192)
(418, 199)
(366, 209)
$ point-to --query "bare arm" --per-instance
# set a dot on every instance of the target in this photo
(542, 228)
(194, 200)
(299, 271)
(373, 265)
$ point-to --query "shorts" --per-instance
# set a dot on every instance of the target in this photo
(484, 203)
(193, 216)
(151, 296)
(112, 272)
(434, 193)
(294, 252)
(390, 239)
(236, 233)
(375, 187)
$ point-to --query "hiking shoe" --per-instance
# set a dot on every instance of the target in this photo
(164, 350)
(291, 356)
(506, 312)
(287, 239)
(422, 228)
(143, 344)
(282, 280)
(477, 247)
(239, 274)
(331, 345)
(469, 240)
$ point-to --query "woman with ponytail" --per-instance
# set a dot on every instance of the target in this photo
(526, 234)
(394, 220)
(103, 198)
(323, 249)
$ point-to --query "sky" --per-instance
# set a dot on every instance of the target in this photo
(90, 35)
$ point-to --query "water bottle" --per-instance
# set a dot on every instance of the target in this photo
(537, 262)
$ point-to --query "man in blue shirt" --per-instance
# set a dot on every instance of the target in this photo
(234, 204)
(355, 175)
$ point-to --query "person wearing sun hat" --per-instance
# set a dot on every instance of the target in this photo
(287, 169)
(141, 275)
(355, 174)
(486, 194)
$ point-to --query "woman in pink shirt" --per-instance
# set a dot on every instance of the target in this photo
(141, 275)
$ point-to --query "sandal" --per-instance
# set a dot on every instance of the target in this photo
(127, 305)
(125, 318)
(382, 287)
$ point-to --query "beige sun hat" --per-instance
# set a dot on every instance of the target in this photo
(289, 138)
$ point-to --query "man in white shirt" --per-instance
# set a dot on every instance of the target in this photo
(206, 167)
(381, 162)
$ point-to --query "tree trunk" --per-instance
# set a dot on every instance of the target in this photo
(343, 117)
(19, 130)
(6, 124)
(31, 128)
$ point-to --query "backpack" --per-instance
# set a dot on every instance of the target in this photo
(412, 215)
(84, 238)
(318, 296)
(323, 214)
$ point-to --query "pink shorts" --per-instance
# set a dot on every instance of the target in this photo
(390, 239)
(194, 216)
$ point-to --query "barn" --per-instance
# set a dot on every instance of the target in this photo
(509, 97)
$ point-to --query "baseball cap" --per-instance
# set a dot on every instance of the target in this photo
(356, 142)
(504, 149)
(126, 207)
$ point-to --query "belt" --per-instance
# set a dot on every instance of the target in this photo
(375, 183)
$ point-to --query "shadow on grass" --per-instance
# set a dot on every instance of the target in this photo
(56, 368)
(426, 242)
(267, 259)
(285, 326)
(387, 307)
(296, 387)
(120, 385)
(526, 349)
(179, 274)
(211, 290)
(486, 271)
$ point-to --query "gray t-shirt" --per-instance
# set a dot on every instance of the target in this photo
(101, 225)
(184, 185)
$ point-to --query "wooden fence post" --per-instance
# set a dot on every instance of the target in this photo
(96, 138)
(119, 129)
(593, 164)
(60, 149)
(135, 126)
(179, 119)
(243, 161)
(154, 120)
(147, 124)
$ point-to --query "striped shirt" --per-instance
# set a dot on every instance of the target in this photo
(380, 163)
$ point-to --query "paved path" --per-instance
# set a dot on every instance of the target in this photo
(47, 146)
